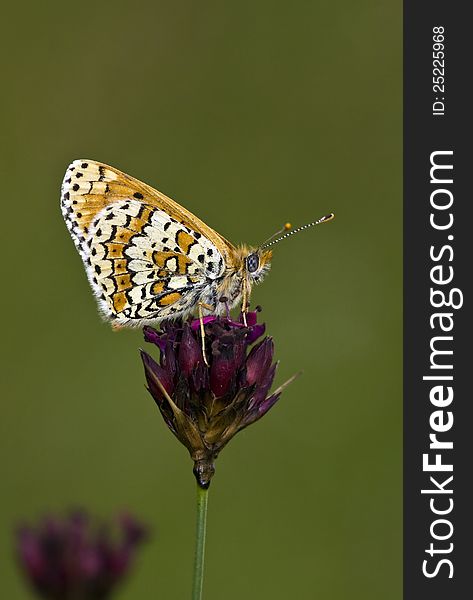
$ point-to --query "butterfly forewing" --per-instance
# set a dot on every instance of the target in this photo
(147, 258)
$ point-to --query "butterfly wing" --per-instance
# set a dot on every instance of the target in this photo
(89, 186)
(147, 258)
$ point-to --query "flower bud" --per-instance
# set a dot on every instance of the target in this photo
(205, 403)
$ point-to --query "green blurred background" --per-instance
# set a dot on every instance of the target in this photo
(250, 114)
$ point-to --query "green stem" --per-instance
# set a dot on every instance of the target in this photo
(202, 498)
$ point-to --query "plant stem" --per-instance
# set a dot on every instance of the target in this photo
(202, 498)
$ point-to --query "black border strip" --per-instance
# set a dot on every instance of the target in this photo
(424, 133)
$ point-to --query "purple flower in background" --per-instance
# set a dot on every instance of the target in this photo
(205, 405)
(74, 557)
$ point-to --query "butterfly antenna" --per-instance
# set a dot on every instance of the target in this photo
(286, 227)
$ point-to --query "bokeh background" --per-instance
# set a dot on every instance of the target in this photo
(250, 114)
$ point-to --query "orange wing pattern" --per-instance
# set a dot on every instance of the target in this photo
(147, 258)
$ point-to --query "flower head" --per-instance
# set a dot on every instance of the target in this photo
(206, 402)
(73, 557)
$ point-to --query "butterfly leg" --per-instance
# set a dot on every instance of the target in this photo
(201, 305)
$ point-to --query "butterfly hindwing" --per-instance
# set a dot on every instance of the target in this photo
(143, 265)
(147, 257)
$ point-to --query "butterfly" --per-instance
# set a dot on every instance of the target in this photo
(148, 258)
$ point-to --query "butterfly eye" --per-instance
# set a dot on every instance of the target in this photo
(252, 263)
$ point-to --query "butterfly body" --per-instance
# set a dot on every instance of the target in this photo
(148, 258)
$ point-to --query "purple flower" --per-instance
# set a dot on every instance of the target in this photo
(205, 405)
(76, 558)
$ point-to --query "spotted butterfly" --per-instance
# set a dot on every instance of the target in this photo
(148, 258)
